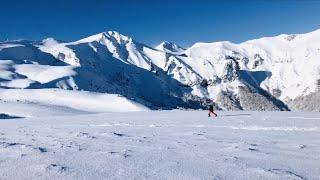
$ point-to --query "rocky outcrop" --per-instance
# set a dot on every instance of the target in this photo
(309, 102)
(251, 100)
(229, 101)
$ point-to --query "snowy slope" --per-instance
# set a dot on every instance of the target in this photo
(89, 65)
(169, 47)
(78, 100)
(160, 145)
(286, 66)
(261, 74)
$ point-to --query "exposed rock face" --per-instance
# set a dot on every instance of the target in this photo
(215, 80)
(309, 102)
(251, 100)
(230, 71)
(258, 60)
(276, 93)
(193, 102)
(229, 101)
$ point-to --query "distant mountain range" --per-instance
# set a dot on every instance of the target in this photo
(271, 73)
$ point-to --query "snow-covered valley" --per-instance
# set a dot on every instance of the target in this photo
(62, 143)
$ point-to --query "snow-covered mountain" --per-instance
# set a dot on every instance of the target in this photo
(272, 73)
(170, 47)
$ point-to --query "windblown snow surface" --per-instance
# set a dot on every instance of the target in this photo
(40, 140)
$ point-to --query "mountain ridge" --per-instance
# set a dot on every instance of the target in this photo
(270, 71)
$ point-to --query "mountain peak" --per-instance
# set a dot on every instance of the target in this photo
(117, 36)
(50, 42)
(110, 35)
(169, 47)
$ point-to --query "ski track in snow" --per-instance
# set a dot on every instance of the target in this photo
(161, 145)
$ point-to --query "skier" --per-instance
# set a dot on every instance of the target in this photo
(211, 111)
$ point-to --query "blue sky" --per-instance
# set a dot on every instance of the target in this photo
(152, 21)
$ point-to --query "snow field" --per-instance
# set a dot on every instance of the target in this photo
(161, 145)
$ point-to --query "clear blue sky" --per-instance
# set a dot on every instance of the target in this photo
(153, 21)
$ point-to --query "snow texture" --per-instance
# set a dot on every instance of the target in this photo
(58, 142)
